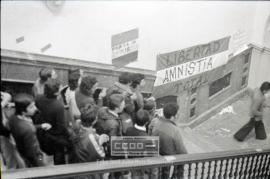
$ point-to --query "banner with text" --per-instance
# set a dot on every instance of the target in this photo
(189, 66)
(125, 48)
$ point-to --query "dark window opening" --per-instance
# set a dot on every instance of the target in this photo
(14, 88)
(164, 100)
(146, 95)
(192, 112)
(193, 90)
(244, 80)
(245, 69)
(246, 58)
(193, 101)
(219, 84)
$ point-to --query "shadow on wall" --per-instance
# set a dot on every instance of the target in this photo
(266, 36)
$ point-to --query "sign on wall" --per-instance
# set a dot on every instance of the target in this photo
(125, 48)
(185, 69)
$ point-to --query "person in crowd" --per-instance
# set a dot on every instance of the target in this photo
(256, 114)
(150, 106)
(44, 75)
(24, 131)
(108, 117)
(89, 144)
(55, 140)
(84, 94)
(123, 87)
(68, 94)
(110, 123)
(137, 83)
(10, 156)
(171, 142)
(142, 118)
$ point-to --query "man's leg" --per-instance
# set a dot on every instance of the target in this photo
(260, 130)
(242, 133)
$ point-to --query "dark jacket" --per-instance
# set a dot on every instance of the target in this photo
(52, 112)
(133, 131)
(24, 133)
(170, 139)
(87, 148)
(82, 99)
(108, 123)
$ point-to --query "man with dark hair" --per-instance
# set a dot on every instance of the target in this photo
(44, 75)
(110, 123)
(108, 117)
(170, 139)
(68, 96)
(142, 118)
(83, 95)
(51, 109)
(122, 87)
(124, 78)
(24, 132)
(88, 147)
(258, 98)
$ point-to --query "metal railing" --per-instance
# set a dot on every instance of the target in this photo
(240, 164)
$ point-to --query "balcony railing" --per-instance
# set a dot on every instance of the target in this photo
(240, 164)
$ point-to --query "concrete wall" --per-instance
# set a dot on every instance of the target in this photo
(83, 29)
(260, 65)
(18, 69)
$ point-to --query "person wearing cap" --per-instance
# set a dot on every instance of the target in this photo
(44, 75)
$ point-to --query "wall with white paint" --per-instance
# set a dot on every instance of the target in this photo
(83, 29)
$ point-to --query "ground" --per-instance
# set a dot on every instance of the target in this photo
(216, 134)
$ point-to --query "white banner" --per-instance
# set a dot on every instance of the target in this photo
(191, 68)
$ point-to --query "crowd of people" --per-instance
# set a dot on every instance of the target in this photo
(74, 123)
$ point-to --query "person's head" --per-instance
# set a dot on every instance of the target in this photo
(150, 105)
(89, 115)
(170, 110)
(24, 105)
(124, 78)
(46, 73)
(265, 87)
(137, 79)
(142, 117)
(73, 78)
(88, 85)
(51, 88)
(116, 102)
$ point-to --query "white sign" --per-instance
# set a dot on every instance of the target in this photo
(124, 48)
(191, 68)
